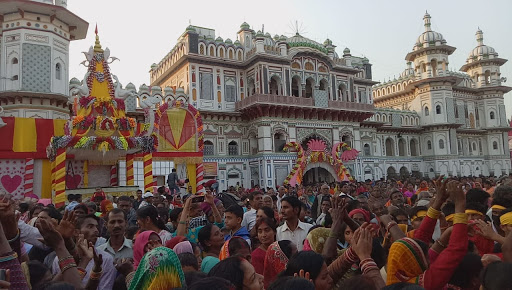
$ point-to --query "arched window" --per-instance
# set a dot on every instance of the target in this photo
(221, 52)
(426, 111)
(58, 71)
(413, 147)
(347, 139)
(441, 144)
(310, 83)
(201, 49)
(429, 145)
(296, 87)
(309, 66)
(474, 146)
(209, 149)
(366, 150)
(230, 54)
(14, 60)
(232, 148)
(390, 147)
(212, 51)
(401, 147)
(487, 77)
(491, 115)
(456, 111)
(433, 67)
(495, 145)
(279, 142)
(240, 55)
(275, 85)
(438, 109)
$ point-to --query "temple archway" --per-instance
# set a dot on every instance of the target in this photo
(319, 172)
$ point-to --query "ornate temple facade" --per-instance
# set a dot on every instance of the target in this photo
(259, 92)
(254, 95)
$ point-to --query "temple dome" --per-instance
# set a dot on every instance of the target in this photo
(481, 51)
(300, 41)
(429, 37)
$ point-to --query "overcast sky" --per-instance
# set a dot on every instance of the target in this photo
(140, 33)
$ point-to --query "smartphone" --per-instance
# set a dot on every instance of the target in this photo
(2, 274)
(198, 199)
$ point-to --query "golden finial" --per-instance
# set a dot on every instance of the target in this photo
(97, 45)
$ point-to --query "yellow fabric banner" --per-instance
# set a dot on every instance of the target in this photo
(191, 173)
(25, 135)
(46, 182)
(58, 127)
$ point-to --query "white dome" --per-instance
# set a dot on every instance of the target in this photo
(429, 37)
(482, 51)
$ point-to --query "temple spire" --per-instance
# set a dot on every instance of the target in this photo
(427, 24)
(97, 45)
(480, 37)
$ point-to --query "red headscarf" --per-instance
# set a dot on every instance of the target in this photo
(174, 241)
(106, 206)
(138, 248)
(275, 263)
(365, 214)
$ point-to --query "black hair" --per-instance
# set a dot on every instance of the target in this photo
(37, 207)
(235, 209)
(379, 254)
(193, 277)
(268, 212)
(74, 197)
(291, 283)
(188, 259)
(477, 206)
(37, 272)
(271, 222)
(308, 261)
(342, 235)
(469, 267)
(82, 207)
(175, 213)
(416, 209)
(357, 282)
(52, 212)
(293, 201)
(448, 208)
(325, 198)
(204, 235)
(236, 244)
(353, 204)
(151, 212)
(471, 246)
(116, 211)
(211, 283)
(124, 198)
(328, 220)
(274, 198)
(92, 206)
(161, 190)
(414, 198)
(131, 231)
(502, 196)
(477, 195)
(286, 247)
(163, 214)
(230, 269)
(497, 276)
(423, 246)
(23, 207)
(253, 194)
(398, 212)
(80, 220)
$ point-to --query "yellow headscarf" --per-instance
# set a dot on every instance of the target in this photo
(406, 262)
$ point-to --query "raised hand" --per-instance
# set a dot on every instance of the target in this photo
(98, 259)
(124, 266)
(83, 248)
(51, 237)
(304, 275)
(66, 226)
(8, 217)
(338, 213)
(454, 189)
(362, 242)
(208, 198)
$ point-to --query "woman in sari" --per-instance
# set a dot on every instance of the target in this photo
(236, 246)
(159, 269)
(278, 255)
(266, 231)
(145, 242)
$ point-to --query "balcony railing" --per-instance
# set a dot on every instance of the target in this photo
(299, 102)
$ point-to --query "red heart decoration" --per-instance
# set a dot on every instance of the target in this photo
(72, 181)
(10, 184)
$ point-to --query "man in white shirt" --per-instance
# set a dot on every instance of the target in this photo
(117, 245)
(256, 201)
(292, 229)
(281, 193)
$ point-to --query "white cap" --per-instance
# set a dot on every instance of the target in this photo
(147, 194)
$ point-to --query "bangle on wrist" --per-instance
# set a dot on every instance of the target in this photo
(183, 222)
(15, 237)
(95, 275)
(9, 256)
(433, 213)
(441, 244)
(390, 225)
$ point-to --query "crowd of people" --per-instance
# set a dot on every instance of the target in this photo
(447, 233)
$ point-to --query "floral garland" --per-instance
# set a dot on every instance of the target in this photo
(101, 77)
(99, 143)
(104, 123)
(299, 165)
(344, 152)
